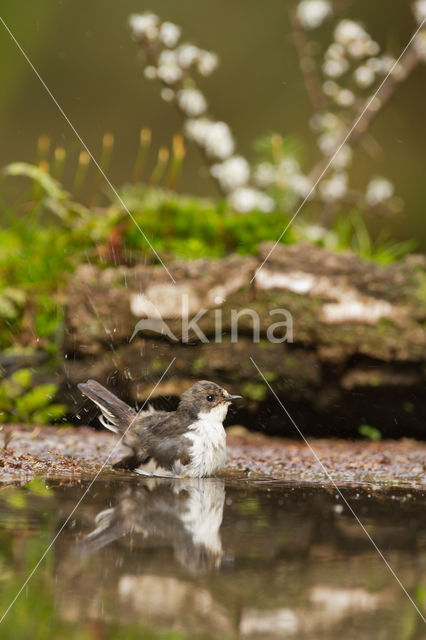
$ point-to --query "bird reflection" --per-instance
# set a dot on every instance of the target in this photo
(183, 514)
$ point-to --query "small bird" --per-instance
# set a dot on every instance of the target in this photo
(187, 443)
(183, 514)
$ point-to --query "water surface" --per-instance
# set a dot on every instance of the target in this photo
(169, 559)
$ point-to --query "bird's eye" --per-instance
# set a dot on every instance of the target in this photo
(210, 398)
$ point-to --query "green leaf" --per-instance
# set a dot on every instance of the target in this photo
(370, 432)
(49, 185)
(36, 399)
(10, 390)
(22, 377)
(49, 414)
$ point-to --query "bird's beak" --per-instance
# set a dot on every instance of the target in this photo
(232, 398)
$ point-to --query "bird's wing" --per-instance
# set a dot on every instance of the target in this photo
(142, 426)
(160, 437)
(169, 450)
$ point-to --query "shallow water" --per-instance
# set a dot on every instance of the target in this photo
(161, 559)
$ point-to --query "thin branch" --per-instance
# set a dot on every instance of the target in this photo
(309, 68)
(307, 62)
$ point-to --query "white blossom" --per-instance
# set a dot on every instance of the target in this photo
(150, 72)
(328, 142)
(169, 34)
(327, 121)
(188, 55)
(314, 233)
(420, 44)
(386, 63)
(219, 142)
(343, 157)
(330, 88)
(312, 13)
(286, 175)
(335, 68)
(168, 57)
(232, 173)
(375, 64)
(196, 129)
(348, 31)
(167, 94)
(345, 97)
(379, 190)
(169, 70)
(373, 48)
(364, 76)
(335, 51)
(207, 62)
(289, 165)
(398, 71)
(214, 137)
(192, 102)
(144, 26)
(360, 48)
(334, 188)
(301, 185)
(247, 199)
(355, 40)
(419, 9)
(265, 175)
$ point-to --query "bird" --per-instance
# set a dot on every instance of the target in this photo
(187, 443)
(183, 514)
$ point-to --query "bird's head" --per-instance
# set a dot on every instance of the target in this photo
(205, 397)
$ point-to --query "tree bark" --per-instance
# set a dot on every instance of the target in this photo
(358, 349)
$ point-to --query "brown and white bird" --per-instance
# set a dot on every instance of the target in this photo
(184, 514)
(187, 443)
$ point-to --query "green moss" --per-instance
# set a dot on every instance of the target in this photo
(253, 391)
(191, 228)
(158, 365)
(409, 407)
(421, 285)
(249, 507)
(385, 326)
(287, 384)
(270, 376)
(198, 365)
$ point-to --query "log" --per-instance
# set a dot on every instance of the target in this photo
(353, 351)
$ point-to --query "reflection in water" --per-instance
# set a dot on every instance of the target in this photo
(183, 514)
(176, 559)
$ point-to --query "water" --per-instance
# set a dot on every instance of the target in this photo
(162, 559)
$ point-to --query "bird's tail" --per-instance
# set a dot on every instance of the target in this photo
(116, 414)
(108, 528)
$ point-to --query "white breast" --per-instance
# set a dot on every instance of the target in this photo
(208, 451)
(203, 513)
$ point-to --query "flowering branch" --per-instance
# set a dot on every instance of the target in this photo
(307, 62)
(352, 65)
(353, 57)
(174, 65)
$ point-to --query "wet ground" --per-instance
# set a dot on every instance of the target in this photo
(80, 453)
(270, 550)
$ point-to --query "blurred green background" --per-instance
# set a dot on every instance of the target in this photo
(84, 53)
